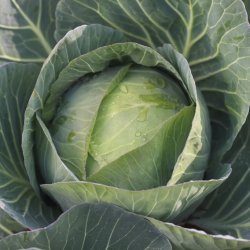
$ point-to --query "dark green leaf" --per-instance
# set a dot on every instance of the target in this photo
(92, 226)
(8, 225)
(16, 193)
(26, 29)
(247, 5)
(192, 239)
(227, 210)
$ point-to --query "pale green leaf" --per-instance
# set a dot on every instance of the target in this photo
(140, 109)
(75, 118)
(150, 164)
(50, 163)
(166, 202)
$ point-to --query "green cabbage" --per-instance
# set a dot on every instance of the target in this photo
(124, 124)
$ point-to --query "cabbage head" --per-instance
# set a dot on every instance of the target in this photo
(128, 126)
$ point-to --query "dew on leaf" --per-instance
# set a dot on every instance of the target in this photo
(124, 89)
(71, 136)
(138, 134)
(142, 117)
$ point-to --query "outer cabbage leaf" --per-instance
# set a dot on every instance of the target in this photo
(213, 35)
(170, 203)
(166, 203)
(247, 5)
(8, 225)
(92, 226)
(26, 29)
(227, 210)
(17, 196)
(192, 239)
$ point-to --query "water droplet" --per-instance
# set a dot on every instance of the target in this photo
(155, 83)
(105, 159)
(71, 136)
(160, 83)
(112, 115)
(144, 137)
(238, 38)
(142, 115)
(61, 119)
(160, 100)
(138, 134)
(149, 85)
(178, 205)
(124, 89)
